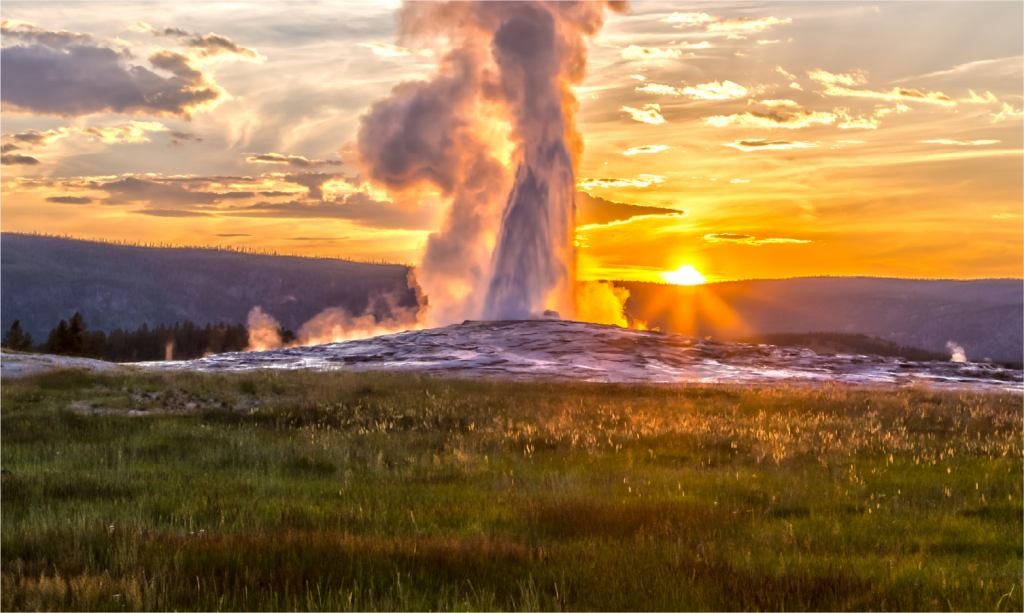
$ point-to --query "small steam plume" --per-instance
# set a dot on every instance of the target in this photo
(264, 331)
(500, 99)
(958, 352)
(600, 302)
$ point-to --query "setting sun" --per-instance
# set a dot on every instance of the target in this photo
(684, 275)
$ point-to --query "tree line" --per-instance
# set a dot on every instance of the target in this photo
(184, 341)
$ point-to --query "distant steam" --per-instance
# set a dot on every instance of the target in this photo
(501, 99)
(958, 352)
(383, 315)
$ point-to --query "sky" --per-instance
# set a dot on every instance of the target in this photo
(747, 140)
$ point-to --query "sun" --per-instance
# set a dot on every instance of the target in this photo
(684, 275)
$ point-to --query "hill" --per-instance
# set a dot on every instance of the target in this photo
(45, 279)
(985, 317)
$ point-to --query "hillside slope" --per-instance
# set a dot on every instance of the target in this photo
(986, 317)
(46, 279)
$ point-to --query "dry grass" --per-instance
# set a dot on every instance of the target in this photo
(338, 491)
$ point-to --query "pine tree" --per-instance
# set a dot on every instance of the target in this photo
(16, 338)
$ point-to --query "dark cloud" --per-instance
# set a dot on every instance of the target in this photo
(69, 200)
(358, 208)
(290, 160)
(178, 138)
(595, 210)
(312, 181)
(35, 138)
(172, 213)
(28, 33)
(16, 159)
(728, 236)
(213, 45)
(132, 190)
(8, 147)
(318, 238)
(82, 80)
(275, 194)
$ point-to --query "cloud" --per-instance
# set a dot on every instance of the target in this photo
(386, 50)
(131, 190)
(657, 88)
(358, 208)
(633, 52)
(638, 77)
(640, 181)
(773, 119)
(717, 24)
(17, 159)
(898, 93)
(313, 182)
(171, 213)
(740, 181)
(32, 138)
(827, 78)
(689, 19)
(715, 91)
(726, 236)
(969, 143)
(231, 235)
(206, 46)
(747, 239)
(316, 238)
(69, 200)
(777, 103)
(290, 160)
(649, 114)
(767, 42)
(22, 31)
(782, 71)
(796, 86)
(746, 24)
(645, 149)
(1008, 112)
(213, 45)
(758, 144)
(973, 98)
(133, 133)
(81, 80)
(899, 108)
(594, 211)
(177, 137)
(863, 123)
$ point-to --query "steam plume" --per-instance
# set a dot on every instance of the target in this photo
(958, 352)
(501, 98)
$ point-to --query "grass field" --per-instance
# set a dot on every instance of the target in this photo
(342, 491)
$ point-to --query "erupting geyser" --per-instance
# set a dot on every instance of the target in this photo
(500, 100)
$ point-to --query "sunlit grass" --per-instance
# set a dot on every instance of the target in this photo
(339, 491)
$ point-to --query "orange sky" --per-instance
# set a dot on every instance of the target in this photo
(799, 138)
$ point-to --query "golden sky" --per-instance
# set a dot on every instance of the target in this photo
(789, 139)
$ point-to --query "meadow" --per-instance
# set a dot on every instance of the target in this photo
(368, 491)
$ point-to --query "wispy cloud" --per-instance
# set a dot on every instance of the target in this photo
(1008, 112)
(759, 144)
(635, 52)
(746, 24)
(386, 50)
(289, 160)
(132, 133)
(962, 143)
(715, 91)
(639, 181)
(747, 239)
(772, 120)
(657, 88)
(828, 78)
(645, 149)
(897, 93)
(649, 114)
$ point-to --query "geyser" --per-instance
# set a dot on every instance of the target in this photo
(501, 99)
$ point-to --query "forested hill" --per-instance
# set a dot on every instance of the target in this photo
(985, 317)
(46, 279)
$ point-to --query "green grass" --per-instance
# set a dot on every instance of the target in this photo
(342, 491)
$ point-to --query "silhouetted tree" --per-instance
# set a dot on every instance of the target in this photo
(17, 339)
